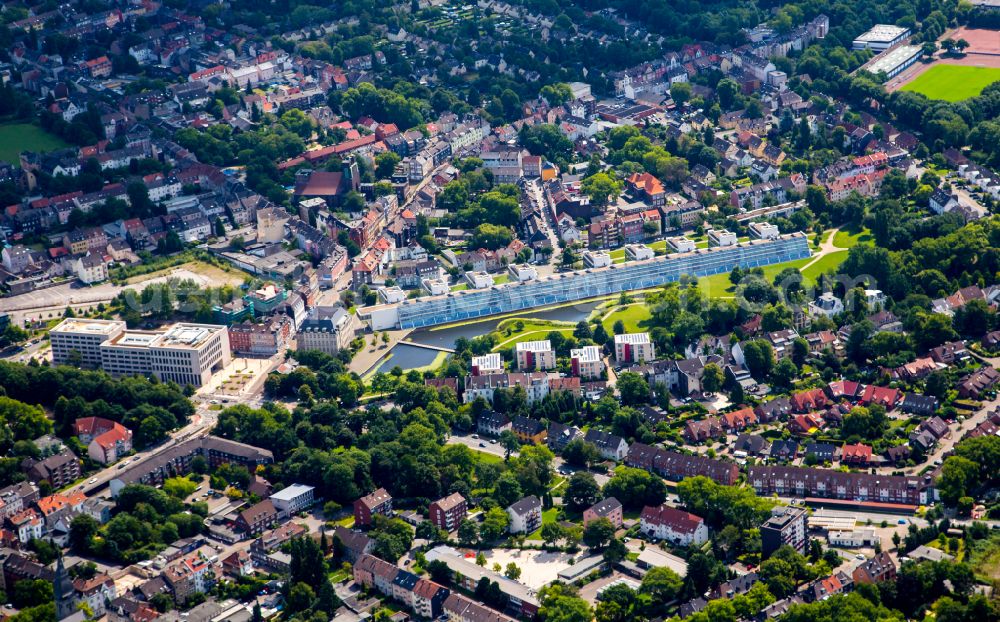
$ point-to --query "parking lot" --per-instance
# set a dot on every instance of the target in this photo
(538, 568)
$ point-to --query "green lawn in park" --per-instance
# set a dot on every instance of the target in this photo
(849, 239)
(953, 82)
(634, 317)
(18, 137)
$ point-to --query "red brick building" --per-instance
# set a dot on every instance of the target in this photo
(448, 512)
(365, 508)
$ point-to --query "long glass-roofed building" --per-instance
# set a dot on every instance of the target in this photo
(582, 284)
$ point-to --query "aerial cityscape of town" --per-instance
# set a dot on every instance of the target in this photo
(500, 311)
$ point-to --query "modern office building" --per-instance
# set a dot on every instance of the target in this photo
(584, 284)
(190, 353)
(84, 338)
(183, 353)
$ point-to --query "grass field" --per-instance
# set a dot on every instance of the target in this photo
(18, 137)
(548, 516)
(953, 82)
(719, 286)
(826, 263)
(635, 317)
(532, 330)
(985, 558)
(850, 239)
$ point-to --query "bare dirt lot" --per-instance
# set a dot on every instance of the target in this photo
(50, 302)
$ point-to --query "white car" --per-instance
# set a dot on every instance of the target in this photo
(93, 480)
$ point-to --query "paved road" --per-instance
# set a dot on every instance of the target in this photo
(50, 302)
(482, 444)
(537, 196)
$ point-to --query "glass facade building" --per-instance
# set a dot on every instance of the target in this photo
(582, 284)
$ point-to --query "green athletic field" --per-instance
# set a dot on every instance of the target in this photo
(953, 82)
(18, 137)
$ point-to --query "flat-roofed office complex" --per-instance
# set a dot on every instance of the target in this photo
(77, 341)
(583, 284)
(183, 353)
(190, 353)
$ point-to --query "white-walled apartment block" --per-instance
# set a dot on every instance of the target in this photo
(535, 355)
(183, 353)
(763, 231)
(721, 237)
(881, 37)
(681, 244)
(491, 363)
(596, 259)
(638, 252)
(633, 348)
(586, 362)
(293, 499)
(522, 272)
(435, 287)
(479, 280)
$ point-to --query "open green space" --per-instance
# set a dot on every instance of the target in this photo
(635, 317)
(824, 264)
(953, 82)
(18, 137)
(548, 516)
(719, 286)
(849, 239)
(985, 558)
(486, 458)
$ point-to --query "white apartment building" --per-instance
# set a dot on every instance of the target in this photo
(763, 231)
(293, 499)
(596, 259)
(535, 355)
(633, 348)
(586, 362)
(520, 273)
(435, 287)
(183, 353)
(638, 252)
(479, 280)
(505, 164)
(525, 515)
(491, 363)
(681, 244)
(535, 385)
(721, 237)
(391, 295)
(673, 525)
(327, 329)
